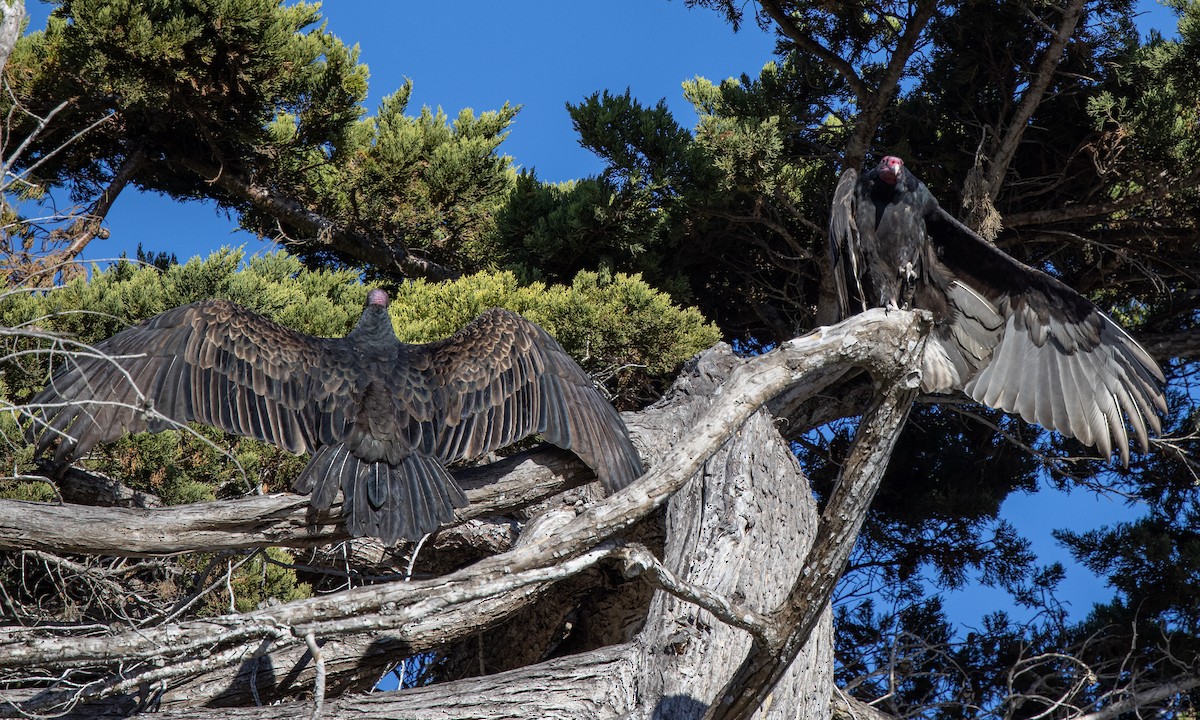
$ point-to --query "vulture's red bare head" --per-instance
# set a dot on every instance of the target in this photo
(378, 297)
(889, 169)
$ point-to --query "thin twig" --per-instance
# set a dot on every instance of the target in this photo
(640, 562)
(319, 681)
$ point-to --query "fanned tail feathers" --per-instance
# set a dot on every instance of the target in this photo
(405, 501)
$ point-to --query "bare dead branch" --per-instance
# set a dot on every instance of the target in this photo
(809, 44)
(1144, 698)
(319, 682)
(640, 562)
(88, 227)
(90, 488)
(12, 157)
(846, 707)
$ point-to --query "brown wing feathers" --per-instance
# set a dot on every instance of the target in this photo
(198, 362)
(379, 416)
(507, 378)
(592, 429)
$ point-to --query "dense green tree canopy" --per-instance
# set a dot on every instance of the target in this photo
(252, 104)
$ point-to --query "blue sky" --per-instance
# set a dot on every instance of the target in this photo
(541, 54)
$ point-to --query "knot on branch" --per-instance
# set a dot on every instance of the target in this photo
(634, 561)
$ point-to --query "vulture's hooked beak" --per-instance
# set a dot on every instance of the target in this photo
(889, 169)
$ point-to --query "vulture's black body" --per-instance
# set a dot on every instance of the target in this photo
(1010, 336)
(380, 417)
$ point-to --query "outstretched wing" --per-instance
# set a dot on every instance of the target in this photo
(845, 251)
(502, 378)
(1033, 346)
(212, 362)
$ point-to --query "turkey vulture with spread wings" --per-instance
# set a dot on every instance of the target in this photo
(1010, 336)
(380, 417)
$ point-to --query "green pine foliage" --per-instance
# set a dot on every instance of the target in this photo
(618, 327)
(434, 183)
(626, 219)
(33, 491)
(181, 80)
(267, 578)
(698, 214)
(255, 105)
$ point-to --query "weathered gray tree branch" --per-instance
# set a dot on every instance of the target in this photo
(846, 707)
(355, 662)
(89, 226)
(1184, 345)
(1144, 698)
(792, 623)
(87, 488)
(594, 685)
(283, 519)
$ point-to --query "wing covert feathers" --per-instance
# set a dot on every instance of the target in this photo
(508, 378)
(212, 362)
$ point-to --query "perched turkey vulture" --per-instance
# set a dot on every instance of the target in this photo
(380, 417)
(1010, 336)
